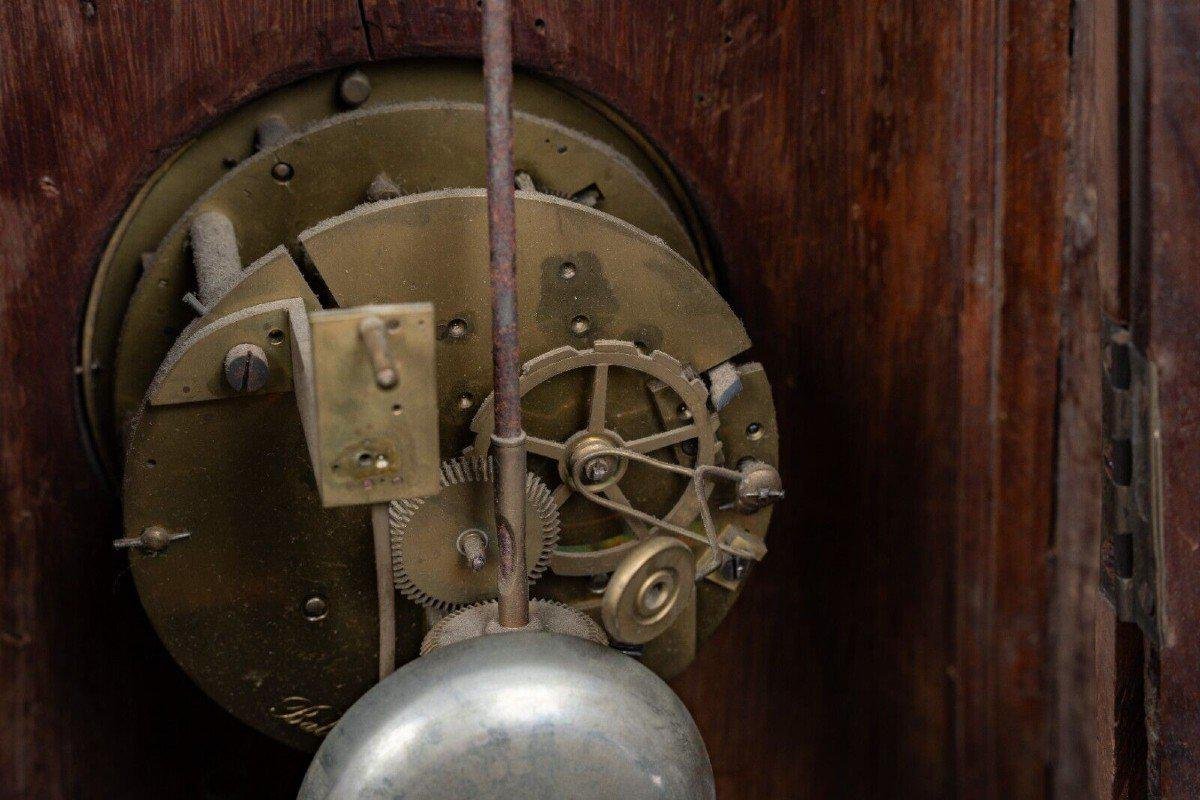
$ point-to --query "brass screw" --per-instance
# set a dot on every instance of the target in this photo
(457, 328)
(282, 171)
(598, 469)
(472, 544)
(581, 325)
(354, 88)
(315, 608)
(246, 368)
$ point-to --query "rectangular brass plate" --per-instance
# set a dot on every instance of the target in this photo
(370, 444)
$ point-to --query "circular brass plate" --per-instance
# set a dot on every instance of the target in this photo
(231, 602)
(653, 584)
(599, 148)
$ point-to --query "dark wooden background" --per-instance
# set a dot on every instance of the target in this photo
(888, 185)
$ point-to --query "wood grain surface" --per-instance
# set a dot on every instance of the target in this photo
(1081, 696)
(1166, 321)
(93, 96)
(885, 187)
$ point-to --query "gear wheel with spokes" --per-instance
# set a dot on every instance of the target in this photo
(609, 412)
(428, 563)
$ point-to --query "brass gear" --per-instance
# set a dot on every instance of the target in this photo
(700, 426)
(427, 564)
(484, 619)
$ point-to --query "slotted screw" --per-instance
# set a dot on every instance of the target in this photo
(246, 368)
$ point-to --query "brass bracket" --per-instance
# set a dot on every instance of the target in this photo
(1132, 565)
(372, 437)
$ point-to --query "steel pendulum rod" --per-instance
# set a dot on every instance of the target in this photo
(381, 531)
(508, 439)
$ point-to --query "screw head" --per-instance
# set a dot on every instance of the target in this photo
(734, 568)
(567, 271)
(246, 368)
(581, 325)
(155, 538)
(315, 608)
(761, 485)
(282, 171)
(598, 469)
(457, 328)
(354, 88)
(466, 401)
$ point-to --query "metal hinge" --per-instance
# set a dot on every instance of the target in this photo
(1131, 554)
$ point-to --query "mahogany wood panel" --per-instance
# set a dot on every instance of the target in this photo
(974, 674)
(93, 96)
(1078, 638)
(1096, 223)
(1034, 135)
(884, 185)
(852, 162)
(1166, 311)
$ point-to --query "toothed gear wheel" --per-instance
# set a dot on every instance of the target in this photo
(427, 564)
(484, 619)
(686, 432)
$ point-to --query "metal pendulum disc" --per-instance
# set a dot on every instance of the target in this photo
(520, 715)
(653, 584)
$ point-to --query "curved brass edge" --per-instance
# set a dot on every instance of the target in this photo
(663, 170)
(329, 174)
(202, 161)
(421, 234)
(192, 372)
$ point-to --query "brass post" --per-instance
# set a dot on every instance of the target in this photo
(374, 336)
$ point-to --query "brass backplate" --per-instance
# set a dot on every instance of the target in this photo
(236, 472)
(565, 143)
